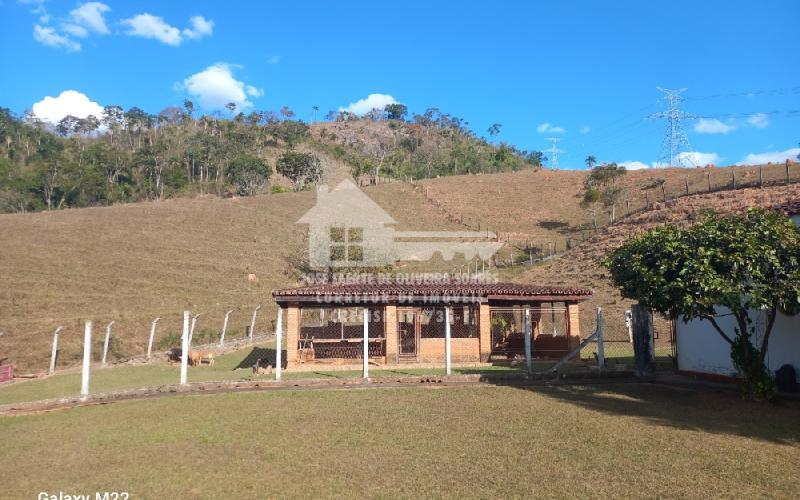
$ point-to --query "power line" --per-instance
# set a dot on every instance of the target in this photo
(675, 140)
(554, 152)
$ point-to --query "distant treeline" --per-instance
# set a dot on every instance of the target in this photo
(132, 155)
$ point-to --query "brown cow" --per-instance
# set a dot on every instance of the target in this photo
(208, 357)
(194, 358)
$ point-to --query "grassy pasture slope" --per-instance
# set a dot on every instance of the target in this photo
(133, 262)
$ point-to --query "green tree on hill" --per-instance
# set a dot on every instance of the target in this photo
(300, 168)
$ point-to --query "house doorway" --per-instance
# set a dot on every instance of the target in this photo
(408, 333)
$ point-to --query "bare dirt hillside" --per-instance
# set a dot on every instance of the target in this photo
(133, 262)
(581, 265)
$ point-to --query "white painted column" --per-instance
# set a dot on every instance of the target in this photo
(366, 344)
(448, 369)
(224, 328)
(105, 342)
(528, 341)
(278, 342)
(54, 352)
(150, 340)
(185, 347)
(253, 321)
(601, 349)
(191, 330)
(87, 359)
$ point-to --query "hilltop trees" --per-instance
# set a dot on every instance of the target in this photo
(747, 264)
(130, 154)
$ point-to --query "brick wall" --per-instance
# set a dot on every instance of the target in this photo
(461, 350)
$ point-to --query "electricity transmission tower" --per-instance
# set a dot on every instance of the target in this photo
(675, 140)
(554, 152)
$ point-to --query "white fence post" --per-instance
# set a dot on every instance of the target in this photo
(105, 342)
(184, 347)
(278, 351)
(528, 334)
(87, 359)
(150, 340)
(191, 330)
(366, 344)
(54, 352)
(224, 328)
(253, 321)
(601, 349)
(448, 369)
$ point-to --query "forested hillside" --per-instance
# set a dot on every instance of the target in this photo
(132, 155)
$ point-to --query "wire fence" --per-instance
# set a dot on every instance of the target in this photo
(524, 250)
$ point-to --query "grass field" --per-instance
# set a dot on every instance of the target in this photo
(123, 377)
(621, 441)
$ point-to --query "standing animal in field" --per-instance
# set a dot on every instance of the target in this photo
(208, 357)
(174, 355)
(262, 367)
(194, 358)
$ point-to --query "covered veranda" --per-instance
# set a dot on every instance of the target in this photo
(394, 322)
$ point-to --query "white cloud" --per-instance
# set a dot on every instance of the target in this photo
(688, 159)
(369, 103)
(634, 165)
(215, 86)
(69, 102)
(712, 126)
(770, 157)
(698, 159)
(48, 36)
(253, 91)
(90, 16)
(274, 59)
(75, 30)
(585, 129)
(150, 26)
(758, 120)
(549, 128)
(200, 27)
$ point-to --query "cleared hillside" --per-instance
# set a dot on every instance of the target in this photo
(133, 262)
(582, 264)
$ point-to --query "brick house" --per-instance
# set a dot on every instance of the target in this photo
(406, 322)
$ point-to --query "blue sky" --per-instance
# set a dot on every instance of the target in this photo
(585, 72)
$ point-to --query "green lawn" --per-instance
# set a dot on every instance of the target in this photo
(623, 440)
(155, 374)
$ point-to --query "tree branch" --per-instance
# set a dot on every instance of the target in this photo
(771, 314)
(718, 329)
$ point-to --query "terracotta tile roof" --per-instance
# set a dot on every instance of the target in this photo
(395, 288)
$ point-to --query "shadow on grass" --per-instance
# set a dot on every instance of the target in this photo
(704, 410)
(268, 353)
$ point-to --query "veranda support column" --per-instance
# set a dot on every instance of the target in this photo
(528, 357)
(185, 347)
(366, 343)
(447, 367)
(150, 340)
(87, 360)
(105, 343)
(601, 349)
(54, 352)
(278, 338)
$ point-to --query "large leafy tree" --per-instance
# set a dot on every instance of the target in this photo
(743, 263)
(300, 168)
(249, 174)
